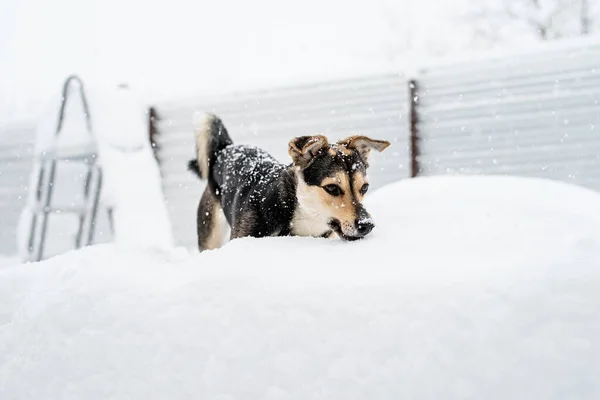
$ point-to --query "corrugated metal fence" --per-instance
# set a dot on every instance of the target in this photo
(529, 114)
(16, 160)
(535, 114)
(532, 114)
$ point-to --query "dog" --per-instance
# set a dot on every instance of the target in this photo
(319, 194)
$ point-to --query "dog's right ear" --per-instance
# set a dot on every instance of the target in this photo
(304, 148)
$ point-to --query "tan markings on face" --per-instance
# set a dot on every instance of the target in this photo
(342, 208)
(331, 152)
(343, 149)
(359, 179)
(316, 207)
(336, 179)
(346, 151)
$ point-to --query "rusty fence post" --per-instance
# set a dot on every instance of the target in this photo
(413, 91)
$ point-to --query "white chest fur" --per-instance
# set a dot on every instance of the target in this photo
(311, 217)
(308, 223)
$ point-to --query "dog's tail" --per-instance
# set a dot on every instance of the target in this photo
(211, 138)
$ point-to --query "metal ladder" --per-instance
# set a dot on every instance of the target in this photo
(46, 173)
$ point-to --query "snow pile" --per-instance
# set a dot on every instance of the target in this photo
(467, 288)
(6, 261)
(132, 176)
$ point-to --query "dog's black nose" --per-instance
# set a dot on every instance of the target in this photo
(364, 226)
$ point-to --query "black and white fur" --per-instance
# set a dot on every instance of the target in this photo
(261, 197)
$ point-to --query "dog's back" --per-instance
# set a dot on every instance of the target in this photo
(250, 182)
(240, 166)
(243, 182)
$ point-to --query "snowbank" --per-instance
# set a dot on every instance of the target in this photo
(6, 261)
(468, 288)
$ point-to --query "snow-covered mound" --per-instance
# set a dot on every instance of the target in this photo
(483, 288)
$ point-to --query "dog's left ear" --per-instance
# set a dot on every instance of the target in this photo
(304, 148)
(363, 145)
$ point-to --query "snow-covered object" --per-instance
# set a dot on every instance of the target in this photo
(483, 288)
(131, 184)
(132, 177)
(74, 138)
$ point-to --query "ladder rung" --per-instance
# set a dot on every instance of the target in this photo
(62, 210)
(86, 155)
(86, 158)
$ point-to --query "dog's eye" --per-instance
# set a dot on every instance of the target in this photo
(364, 189)
(333, 190)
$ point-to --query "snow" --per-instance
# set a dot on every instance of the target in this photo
(200, 47)
(131, 182)
(261, 167)
(567, 48)
(7, 261)
(74, 138)
(204, 48)
(469, 287)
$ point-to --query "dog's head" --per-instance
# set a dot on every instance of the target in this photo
(332, 181)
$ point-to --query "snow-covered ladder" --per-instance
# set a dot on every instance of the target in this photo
(46, 165)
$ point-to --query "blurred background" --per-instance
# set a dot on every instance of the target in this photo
(180, 47)
(460, 87)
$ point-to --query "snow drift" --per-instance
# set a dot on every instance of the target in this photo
(468, 288)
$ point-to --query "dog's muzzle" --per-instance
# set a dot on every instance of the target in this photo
(362, 227)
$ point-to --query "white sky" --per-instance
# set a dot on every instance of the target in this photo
(180, 47)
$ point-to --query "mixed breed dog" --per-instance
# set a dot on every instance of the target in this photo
(319, 194)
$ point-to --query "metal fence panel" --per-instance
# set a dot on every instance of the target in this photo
(534, 114)
(16, 159)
